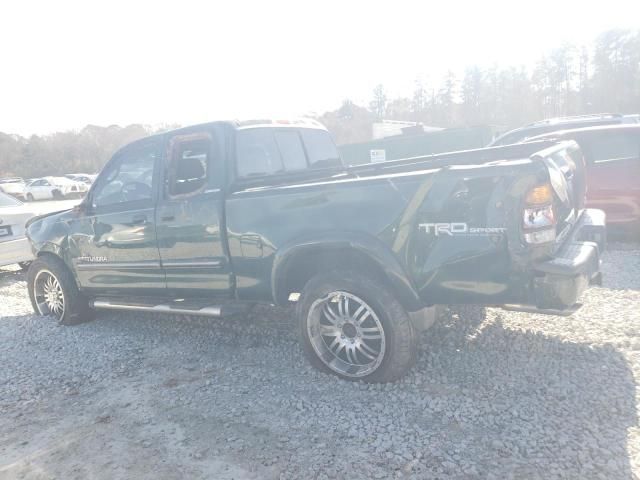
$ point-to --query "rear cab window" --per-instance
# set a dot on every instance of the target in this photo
(271, 150)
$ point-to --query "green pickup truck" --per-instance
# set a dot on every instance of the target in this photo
(210, 219)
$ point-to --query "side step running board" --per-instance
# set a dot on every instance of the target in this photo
(545, 311)
(210, 311)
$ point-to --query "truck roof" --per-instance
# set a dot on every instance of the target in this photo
(247, 124)
(292, 122)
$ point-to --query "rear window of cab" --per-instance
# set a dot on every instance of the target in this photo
(268, 151)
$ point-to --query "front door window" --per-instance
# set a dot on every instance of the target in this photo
(128, 180)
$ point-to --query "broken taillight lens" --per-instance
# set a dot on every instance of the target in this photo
(538, 218)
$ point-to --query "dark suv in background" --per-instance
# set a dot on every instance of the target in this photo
(562, 123)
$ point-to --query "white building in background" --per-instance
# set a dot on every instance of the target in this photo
(391, 128)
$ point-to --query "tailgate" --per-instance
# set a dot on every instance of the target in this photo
(483, 229)
(567, 176)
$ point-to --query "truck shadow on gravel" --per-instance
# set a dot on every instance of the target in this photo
(530, 404)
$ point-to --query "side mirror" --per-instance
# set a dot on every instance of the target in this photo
(82, 208)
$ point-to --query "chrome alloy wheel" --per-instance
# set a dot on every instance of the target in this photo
(48, 294)
(346, 334)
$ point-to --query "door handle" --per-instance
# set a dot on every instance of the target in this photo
(139, 220)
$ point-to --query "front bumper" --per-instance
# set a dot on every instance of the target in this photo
(559, 282)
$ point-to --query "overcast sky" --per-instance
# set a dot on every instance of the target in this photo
(66, 64)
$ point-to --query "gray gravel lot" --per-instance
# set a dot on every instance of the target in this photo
(138, 396)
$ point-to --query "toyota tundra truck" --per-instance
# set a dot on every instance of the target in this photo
(211, 219)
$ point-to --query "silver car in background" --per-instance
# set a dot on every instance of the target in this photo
(13, 186)
(14, 246)
(55, 188)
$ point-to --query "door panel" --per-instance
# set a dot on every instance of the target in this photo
(190, 244)
(189, 218)
(114, 244)
(117, 253)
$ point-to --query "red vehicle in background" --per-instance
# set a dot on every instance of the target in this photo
(612, 156)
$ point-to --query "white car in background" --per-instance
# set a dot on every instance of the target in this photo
(85, 178)
(13, 186)
(14, 246)
(57, 188)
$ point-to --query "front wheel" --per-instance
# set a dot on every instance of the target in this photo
(53, 291)
(354, 327)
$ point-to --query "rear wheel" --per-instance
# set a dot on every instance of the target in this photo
(57, 195)
(353, 326)
(53, 292)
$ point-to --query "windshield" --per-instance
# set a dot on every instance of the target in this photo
(8, 201)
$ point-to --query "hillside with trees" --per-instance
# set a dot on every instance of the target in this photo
(570, 80)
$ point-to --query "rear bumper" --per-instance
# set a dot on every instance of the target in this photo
(14, 251)
(559, 282)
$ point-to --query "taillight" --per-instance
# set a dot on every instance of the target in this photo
(538, 219)
(540, 195)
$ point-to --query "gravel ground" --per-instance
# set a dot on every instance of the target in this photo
(138, 396)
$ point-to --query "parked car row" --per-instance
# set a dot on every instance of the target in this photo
(47, 188)
(54, 188)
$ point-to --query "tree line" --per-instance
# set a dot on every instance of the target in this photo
(84, 151)
(569, 80)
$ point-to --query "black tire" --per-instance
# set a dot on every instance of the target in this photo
(30, 197)
(400, 352)
(57, 195)
(76, 308)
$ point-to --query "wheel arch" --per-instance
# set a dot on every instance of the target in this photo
(295, 264)
(51, 250)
